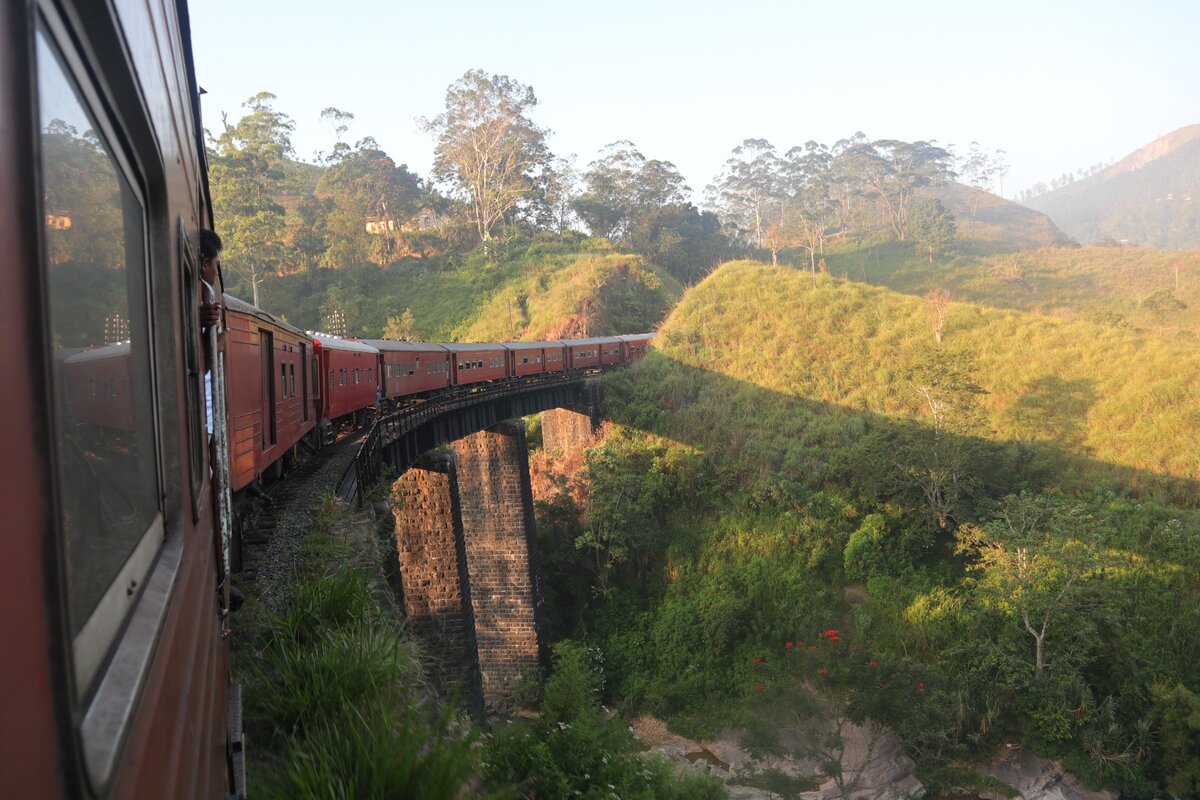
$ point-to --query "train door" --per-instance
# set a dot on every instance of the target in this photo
(304, 379)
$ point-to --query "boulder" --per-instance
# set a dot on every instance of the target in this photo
(1037, 778)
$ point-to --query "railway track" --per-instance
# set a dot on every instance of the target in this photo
(284, 515)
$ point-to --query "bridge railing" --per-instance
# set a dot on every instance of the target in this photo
(369, 460)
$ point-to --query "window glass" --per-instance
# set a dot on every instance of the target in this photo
(95, 277)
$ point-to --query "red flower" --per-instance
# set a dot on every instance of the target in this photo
(874, 664)
(824, 671)
(812, 647)
(921, 687)
(856, 647)
(789, 645)
(759, 688)
(801, 644)
(758, 661)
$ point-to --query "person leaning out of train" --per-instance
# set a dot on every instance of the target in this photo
(210, 307)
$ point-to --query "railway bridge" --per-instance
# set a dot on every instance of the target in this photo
(465, 546)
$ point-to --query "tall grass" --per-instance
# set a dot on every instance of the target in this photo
(337, 703)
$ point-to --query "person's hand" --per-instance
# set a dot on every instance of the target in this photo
(210, 314)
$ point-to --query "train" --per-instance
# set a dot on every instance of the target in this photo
(130, 431)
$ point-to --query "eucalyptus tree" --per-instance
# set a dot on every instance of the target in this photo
(488, 148)
(622, 185)
(752, 189)
(246, 168)
(892, 172)
(643, 204)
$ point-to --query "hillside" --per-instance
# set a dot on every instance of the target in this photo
(776, 485)
(767, 372)
(1151, 197)
(545, 286)
(1136, 288)
(997, 223)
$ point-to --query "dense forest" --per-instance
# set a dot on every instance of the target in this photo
(904, 456)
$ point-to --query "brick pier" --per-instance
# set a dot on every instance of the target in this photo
(432, 559)
(467, 551)
(497, 521)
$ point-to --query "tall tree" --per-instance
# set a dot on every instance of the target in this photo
(752, 189)
(246, 169)
(372, 197)
(893, 171)
(622, 185)
(487, 146)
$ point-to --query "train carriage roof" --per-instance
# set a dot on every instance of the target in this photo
(636, 337)
(593, 340)
(470, 347)
(530, 345)
(331, 342)
(394, 346)
(243, 307)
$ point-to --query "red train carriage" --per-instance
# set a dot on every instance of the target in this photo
(634, 346)
(410, 368)
(476, 363)
(268, 398)
(349, 378)
(583, 353)
(611, 352)
(115, 669)
(532, 358)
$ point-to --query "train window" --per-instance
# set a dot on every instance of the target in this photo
(283, 383)
(292, 376)
(330, 380)
(105, 447)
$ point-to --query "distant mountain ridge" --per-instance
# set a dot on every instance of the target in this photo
(1150, 197)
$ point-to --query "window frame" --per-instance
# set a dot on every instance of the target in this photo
(103, 703)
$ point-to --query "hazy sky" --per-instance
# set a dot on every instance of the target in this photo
(1057, 85)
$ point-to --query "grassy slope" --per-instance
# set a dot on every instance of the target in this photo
(1121, 287)
(756, 364)
(547, 282)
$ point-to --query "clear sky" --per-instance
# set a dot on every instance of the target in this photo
(1057, 84)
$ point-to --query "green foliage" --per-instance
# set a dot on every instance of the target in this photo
(1175, 715)
(931, 226)
(530, 288)
(577, 749)
(336, 698)
(633, 483)
(642, 204)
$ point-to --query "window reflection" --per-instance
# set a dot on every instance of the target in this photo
(96, 284)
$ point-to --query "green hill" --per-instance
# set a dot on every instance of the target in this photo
(756, 366)
(996, 223)
(1151, 197)
(777, 458)
(1124, 287)
(529, 288)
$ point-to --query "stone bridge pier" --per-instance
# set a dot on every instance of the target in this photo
(466, 548)
(573, 428)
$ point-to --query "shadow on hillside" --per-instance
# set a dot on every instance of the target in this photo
(779, 437)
